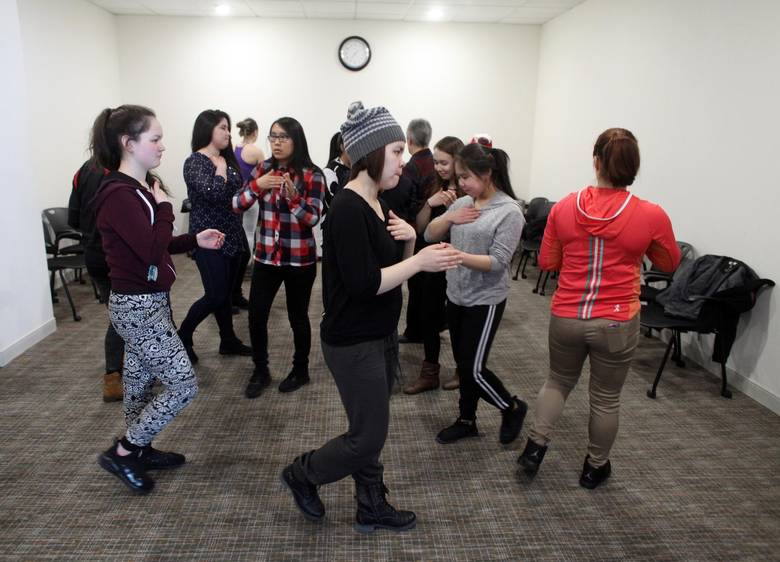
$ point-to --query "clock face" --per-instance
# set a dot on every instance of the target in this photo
(354, 53)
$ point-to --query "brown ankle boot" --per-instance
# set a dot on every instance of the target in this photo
(428, 379)
(453, 383)
(112, 387)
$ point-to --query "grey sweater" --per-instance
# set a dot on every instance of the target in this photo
(496, 233)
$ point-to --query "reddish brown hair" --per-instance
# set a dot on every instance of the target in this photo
(618, 154)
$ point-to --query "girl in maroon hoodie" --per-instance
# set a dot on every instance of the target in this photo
(135, 220)
(597, 238)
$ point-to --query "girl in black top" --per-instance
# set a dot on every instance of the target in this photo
(212, 176)
(363, 270)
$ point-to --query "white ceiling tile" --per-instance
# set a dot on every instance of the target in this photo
(329, 9)
(122, 7)
(478, 14)
(381, 10)
(276, 8)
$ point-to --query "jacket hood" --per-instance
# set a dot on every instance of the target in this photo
(113, 182)
(603, 211)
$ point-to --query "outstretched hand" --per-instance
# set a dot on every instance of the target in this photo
(210, 239)
(439, 257)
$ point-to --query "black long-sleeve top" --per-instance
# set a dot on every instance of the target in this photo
(356, 247)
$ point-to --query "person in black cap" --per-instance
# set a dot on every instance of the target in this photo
(362, 272)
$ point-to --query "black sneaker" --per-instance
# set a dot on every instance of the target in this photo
(305, 495)
(294, 381)
(235, 347)
(257, 383)
(129, 469)
(152, 459)
(512, 421)
(457, 431)
(531, 458)
(592, 477)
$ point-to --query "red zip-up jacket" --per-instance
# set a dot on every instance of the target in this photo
(597, 238)
(137, 236)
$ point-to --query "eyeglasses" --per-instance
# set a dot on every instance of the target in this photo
(272, 138)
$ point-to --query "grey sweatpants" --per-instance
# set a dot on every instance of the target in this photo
(153, 350)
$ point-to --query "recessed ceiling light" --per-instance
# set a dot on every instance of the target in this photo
(436, 13)
(222, 9)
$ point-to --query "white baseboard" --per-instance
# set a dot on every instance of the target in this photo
(26, 342)
(754, 391)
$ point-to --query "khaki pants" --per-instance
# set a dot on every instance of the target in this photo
(610, 346)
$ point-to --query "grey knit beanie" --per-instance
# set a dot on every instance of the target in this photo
(368, 129)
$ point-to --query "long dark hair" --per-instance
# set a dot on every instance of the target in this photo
(451, 146)
(300, 156)
(482, 160)
(110, 126)
(336, 147)
(203, 131)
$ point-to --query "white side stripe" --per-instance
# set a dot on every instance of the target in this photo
(145, 200)
(477, 370)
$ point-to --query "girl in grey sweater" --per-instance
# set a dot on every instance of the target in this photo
(485, 225)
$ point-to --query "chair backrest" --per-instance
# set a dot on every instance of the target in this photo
(58, 218)
(48, 235)
(535, 206)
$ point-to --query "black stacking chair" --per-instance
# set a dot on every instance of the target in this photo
(718, 315)
(531, 238)
(58, 263)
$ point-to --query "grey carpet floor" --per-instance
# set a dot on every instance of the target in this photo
(696, 477)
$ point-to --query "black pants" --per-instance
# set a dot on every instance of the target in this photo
(266, 280)
(243, 263)
(417, 295)
(433, 308)
(113, 344)
(364, 375)
(472, 329)
(217, 272)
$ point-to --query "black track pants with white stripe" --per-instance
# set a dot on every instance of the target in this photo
(472, 329)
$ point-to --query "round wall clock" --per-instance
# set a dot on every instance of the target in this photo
(354, 53)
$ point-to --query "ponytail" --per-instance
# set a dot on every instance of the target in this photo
(482, 161)
(618, 153)
(108, 129)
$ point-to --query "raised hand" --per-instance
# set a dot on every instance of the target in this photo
(438, 257)
(159, 195)
(288, 187)
(400, 229)
(210, 239)
(464, 215)
(221, 164)
(269, 182)
(444, 197)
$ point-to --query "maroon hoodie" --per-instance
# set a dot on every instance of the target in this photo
(137, 236)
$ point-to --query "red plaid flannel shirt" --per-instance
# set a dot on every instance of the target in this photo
(284, 235)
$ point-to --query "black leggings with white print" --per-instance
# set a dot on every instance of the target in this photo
(153, 351)
(472, 329)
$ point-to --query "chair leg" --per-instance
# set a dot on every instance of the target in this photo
(519, 263)
(54, 297)
(76, 317)
(724, 387)
(538, 281)
(677, 356)
(522, 271)
(651, 392)
(544, 283)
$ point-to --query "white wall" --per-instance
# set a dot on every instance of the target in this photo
(25, 306)
(698, 83)
(71, 62)
(463, 78)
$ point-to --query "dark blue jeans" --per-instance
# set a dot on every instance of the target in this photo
(218, 272)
